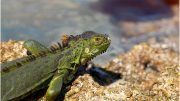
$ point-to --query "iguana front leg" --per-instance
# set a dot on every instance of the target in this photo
(55, 85)
(63, 75)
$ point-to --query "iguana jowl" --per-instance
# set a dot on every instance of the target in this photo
(50, 67)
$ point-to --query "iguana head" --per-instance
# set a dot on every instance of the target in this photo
(91, 44)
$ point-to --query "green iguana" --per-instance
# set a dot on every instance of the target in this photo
(49, 67)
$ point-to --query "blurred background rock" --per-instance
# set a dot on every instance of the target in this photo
(127, 22)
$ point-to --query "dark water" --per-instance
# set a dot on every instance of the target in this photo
(46, 20)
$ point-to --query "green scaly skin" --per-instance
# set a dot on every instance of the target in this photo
(49, 67)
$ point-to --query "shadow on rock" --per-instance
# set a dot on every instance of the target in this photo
(100, 75)
(103, 76)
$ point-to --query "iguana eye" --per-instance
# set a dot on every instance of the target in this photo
(97, 40)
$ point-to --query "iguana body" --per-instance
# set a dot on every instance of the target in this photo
(51, 67)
